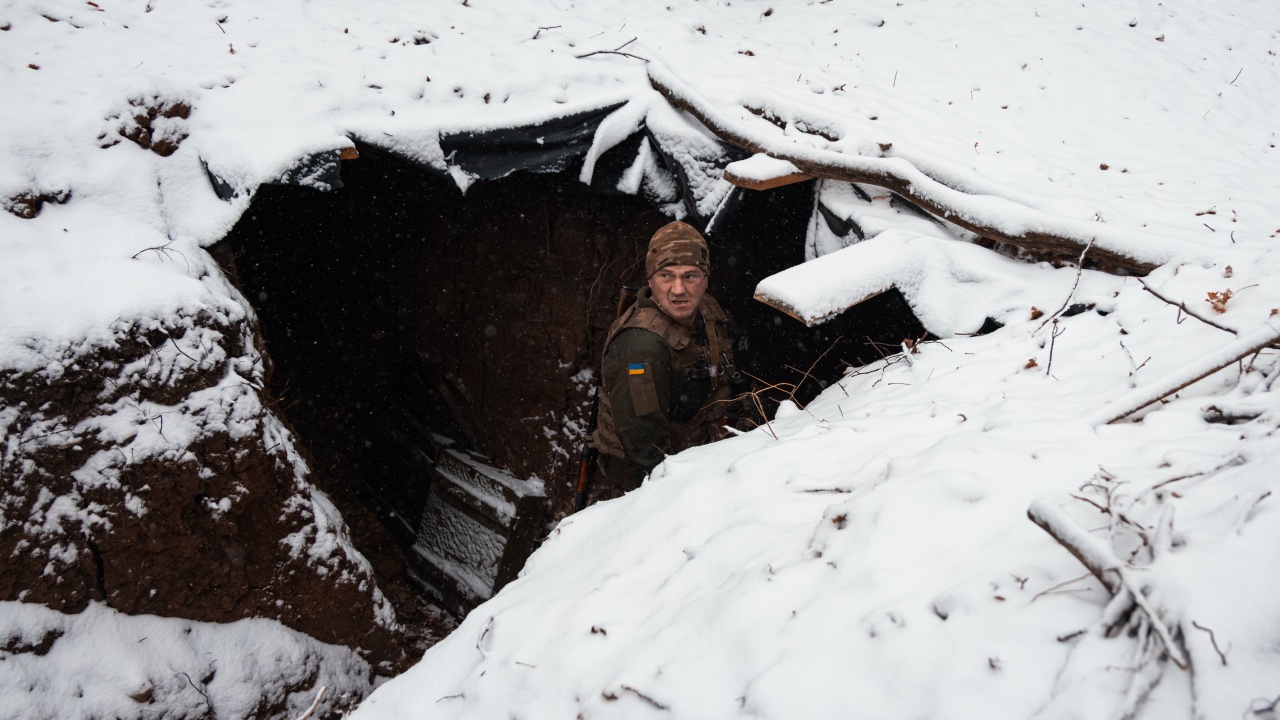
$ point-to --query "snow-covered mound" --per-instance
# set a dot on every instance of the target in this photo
(100, 663)
(868, 555)
(871, 554)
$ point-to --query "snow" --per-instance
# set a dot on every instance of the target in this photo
(100, 663)
(867, 555)
(761, 167)
(876, 557)
(952, 287)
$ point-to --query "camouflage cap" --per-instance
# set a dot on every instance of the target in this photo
(676, 243)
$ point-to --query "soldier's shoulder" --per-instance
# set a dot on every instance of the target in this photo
(637, 340)
(712, 310)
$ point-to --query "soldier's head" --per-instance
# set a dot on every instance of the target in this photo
(678, 265)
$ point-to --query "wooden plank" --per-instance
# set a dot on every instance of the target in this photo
(769, 184)
(781, 306)
(349, 153)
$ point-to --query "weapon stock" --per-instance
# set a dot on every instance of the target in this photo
(626, 298)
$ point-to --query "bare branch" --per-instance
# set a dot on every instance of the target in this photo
(615, 51)
(1053, 340)
(1212, 639)
(1097, 556)
(1067, 303)
(1183, 307)
(1061, 585)
(646, 698)
(1206, 365)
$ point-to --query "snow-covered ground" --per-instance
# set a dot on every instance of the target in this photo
(869, 555)
(100, 663)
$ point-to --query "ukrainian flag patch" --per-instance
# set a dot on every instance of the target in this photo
(635, 369)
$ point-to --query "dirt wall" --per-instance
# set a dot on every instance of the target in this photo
(152, 475)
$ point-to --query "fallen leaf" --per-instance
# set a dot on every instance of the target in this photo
(1218, 300)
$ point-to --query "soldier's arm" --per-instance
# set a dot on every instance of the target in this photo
(637, 376)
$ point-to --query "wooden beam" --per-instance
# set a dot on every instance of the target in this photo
(769, 184)
(783, 307)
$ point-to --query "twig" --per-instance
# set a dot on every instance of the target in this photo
(1268, 706)
(812, 365)
(646, 698)
(314, 703)
(1053, 338)
(193, 685)
(175, 347)
(615, 51)
(1133, 365)
(161, 250)
(1235, 460)
(1066, 303)
(549, 27)
(1183, 308)
(1059, 586)
(1101, 509)
(1212, 639)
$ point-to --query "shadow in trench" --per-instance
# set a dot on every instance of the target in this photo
(765, 235)
(402, 316)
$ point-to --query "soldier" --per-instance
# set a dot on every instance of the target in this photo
(668, 363)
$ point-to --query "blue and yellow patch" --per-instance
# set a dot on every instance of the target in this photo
(635, 369)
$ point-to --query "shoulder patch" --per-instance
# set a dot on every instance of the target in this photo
(644, 394)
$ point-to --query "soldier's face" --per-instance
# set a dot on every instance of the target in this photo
(678, 289)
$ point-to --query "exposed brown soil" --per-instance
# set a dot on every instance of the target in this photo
(27, 205)
(152, 123)
(91, 518)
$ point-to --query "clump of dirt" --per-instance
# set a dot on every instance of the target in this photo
(153, 123)
(153, 475)
(27, 205)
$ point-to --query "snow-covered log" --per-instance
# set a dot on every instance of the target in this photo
(951, 286)
(1206, 365)
(994, 218)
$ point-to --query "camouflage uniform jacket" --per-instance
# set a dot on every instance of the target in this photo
(664, 384)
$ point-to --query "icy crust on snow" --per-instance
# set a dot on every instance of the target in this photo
(871, 554)
(100, 663)
(951, 286)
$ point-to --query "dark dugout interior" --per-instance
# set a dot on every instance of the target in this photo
(401, 314)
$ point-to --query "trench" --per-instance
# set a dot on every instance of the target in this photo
(403, 316)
